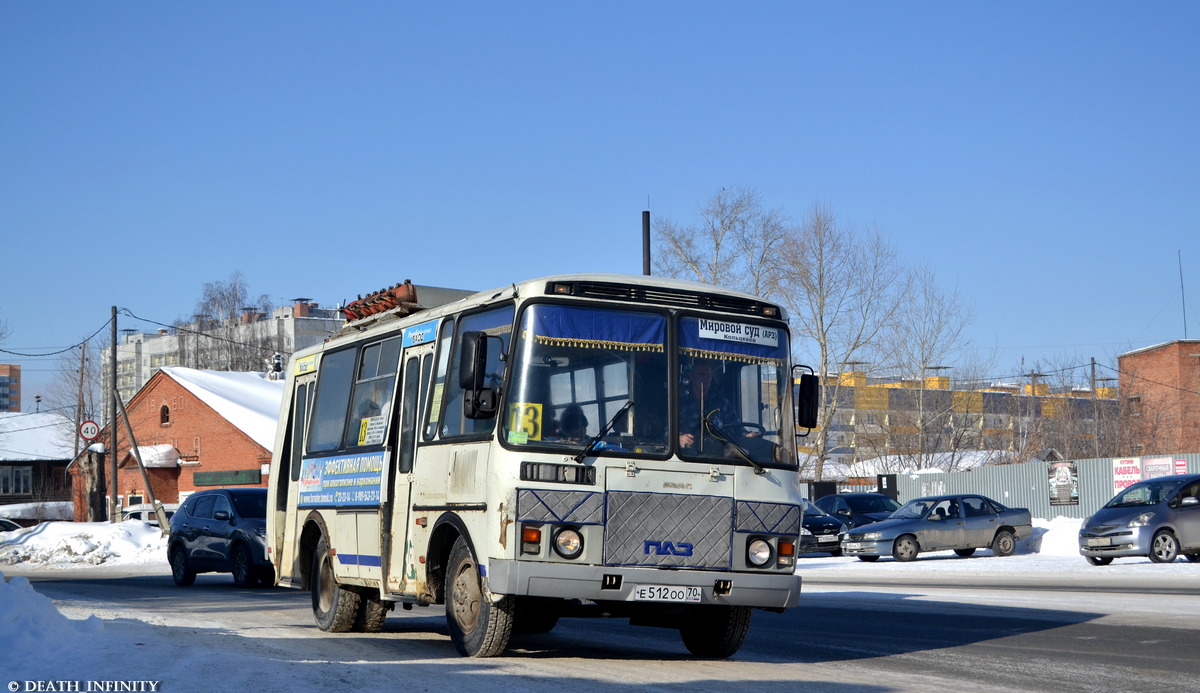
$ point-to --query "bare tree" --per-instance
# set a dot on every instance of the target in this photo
(734, 244)
(925, 339)
(843, 288)
(76, 389)
(220, 339)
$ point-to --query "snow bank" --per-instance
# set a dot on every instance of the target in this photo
(32, 629)
(66, 544)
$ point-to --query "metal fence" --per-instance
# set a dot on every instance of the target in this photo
(1028, 485)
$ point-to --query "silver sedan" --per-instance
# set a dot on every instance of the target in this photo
(963, 523)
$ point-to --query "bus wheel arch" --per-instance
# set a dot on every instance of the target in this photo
(446, 532)
(314, 531)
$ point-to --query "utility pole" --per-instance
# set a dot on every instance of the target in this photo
(112, 424)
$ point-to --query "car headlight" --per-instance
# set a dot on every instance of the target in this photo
(1141, 520)
(759, 552)
(568, 543)
(804, 532)
(872, 536)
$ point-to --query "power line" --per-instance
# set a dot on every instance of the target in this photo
(60, 351)
(206, 335)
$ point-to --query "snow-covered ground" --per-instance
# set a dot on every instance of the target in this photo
(34, 634)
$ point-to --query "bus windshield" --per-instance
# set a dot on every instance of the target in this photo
(575, 367)
(732, 386)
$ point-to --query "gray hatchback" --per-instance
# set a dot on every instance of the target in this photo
(1157, 518)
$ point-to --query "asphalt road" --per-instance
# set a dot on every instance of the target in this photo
(846, 636)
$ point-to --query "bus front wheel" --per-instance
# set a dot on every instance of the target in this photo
(335, 607)
(479, 627)
(715, 631)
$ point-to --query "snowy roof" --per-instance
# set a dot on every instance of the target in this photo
(31, 437)
(247, 400)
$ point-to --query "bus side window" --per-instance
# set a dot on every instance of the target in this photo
(334, 379)
(371, 405)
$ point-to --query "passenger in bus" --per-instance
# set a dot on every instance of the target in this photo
(572, 423)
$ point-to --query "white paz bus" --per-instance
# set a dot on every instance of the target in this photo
(578, 445)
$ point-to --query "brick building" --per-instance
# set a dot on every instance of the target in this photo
(1161, 388)
(195, 429)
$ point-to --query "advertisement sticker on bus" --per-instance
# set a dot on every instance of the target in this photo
(344, 480)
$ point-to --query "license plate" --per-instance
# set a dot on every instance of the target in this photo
(827, 537)
(1099, 541)
(852, 546)
(666, 593)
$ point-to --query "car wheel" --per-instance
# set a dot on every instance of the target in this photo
(181, 572)
(479, 627)
(266, 576)
(1004, 544)
(905, 548)
(868, 559)
(1164, 547)
(715, 631)
(965, 552)
(334, 606)
(243, 567)
(1099, 560)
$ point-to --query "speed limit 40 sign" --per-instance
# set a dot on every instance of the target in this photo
(88, 430)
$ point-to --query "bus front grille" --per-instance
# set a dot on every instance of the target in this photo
(668, 530)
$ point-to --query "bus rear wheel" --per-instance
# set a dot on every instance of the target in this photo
(335, 607)
(479, 627)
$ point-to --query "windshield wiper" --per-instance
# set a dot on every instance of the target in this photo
(603, 432)
(720, 437)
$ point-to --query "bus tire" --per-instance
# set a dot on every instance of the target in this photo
(479, 627)
(335, 607)
(372, 612)
(715, 631)
(535, 615)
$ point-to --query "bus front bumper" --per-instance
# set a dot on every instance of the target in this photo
(612, 583)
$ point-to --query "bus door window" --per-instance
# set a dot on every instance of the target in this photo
(496, 323)
(296, 441)
(408, 414)
(445, 339)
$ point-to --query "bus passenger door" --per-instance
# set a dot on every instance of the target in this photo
(286, 556)
(400, 558)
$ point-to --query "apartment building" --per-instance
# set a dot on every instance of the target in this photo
(10, 387)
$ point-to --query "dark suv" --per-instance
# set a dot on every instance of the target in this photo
(221, 531)
(856, 509)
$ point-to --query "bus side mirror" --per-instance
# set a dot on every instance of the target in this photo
(808, 400)
(479, 402)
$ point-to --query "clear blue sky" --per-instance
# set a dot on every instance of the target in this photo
(1042, 157)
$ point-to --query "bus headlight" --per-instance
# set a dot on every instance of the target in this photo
(759, 552)
(568, 543)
